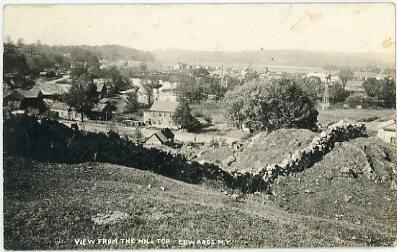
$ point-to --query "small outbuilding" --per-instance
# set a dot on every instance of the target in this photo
(387, 131)
(161, 137)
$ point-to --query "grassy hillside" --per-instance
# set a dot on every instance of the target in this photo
(48, 205)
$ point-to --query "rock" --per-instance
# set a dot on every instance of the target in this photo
(338, 216)
(109, 218)
(347, 198)
(229, 160)
(162, 188)
(236, 196)
(308, 191)
(200, 154)
(393, 186)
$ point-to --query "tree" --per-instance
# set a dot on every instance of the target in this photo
(148, 91)
(232, 82)
(384, 90)
(200, 72)
(84, 62)
(8, 40)
(114, 77)
(337, 93)
(14, 61)
(183, 116)
(20, 42)
(132, 100)
(345, 75)
(81, 96)
(270, 105)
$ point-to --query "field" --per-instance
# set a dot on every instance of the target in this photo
(49, 206)
(326, 117)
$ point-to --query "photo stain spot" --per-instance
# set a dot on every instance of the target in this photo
(387, 43)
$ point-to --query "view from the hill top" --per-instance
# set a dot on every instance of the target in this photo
(138, 126)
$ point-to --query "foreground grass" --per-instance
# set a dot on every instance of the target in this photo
(47, 206)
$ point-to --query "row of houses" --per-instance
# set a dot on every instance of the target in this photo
(44, 95)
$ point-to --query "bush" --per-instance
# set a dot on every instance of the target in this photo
(271, 105)
(337, 93)
(384, 90)
(362, 100)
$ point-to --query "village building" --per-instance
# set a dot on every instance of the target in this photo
(102, 111)
(161, 137)
(51, 90)
(64, 111)
(161, 115)
(13, 100)
(29, 101)
(180, 66)
(14, 80)
(101, 89)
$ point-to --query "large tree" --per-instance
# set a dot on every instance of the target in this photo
(14, 61)
(114, 77)
(81, 96)
(345, 75)
(148, 87)
(132, 100)
(270, 105)
(337, 93)
(183, 116)
(384, 90)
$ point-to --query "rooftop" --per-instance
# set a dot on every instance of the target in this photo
(164, 106)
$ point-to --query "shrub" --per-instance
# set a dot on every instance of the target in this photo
(384, 90)
(337, 93)
(362, 100)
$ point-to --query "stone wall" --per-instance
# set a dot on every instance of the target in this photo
(301, 159)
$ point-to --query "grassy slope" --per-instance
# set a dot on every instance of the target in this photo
(49, 205)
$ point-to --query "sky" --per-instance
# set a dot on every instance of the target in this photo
(333, 27)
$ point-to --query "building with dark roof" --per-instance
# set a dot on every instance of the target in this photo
(161, 137)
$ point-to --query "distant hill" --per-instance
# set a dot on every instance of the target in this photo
(277, 57)
(107, 52)
(116, 52)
